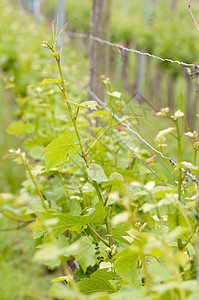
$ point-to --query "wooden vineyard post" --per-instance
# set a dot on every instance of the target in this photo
(99, 53)
(174, 5)
(125, 4)
(33, 6)
(37, 9)
(61, 12)
(141, 71)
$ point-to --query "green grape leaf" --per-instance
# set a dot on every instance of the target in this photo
(50, 224)
(196, 144)
(178, 232)
(56, 153)
(187, 165)
(126, 264)
(55, 54)
(115, 94)
(50, 81)
(115, 179)
(98, 282)
(20, 127)
(96, 172)
(60, 291)
(149, 206)
(119, 231)
(47, 253)
(162, 190)
(61, 278)
(164, 132)
(178, 114)
(86, 104)
(190, 134)
(36, 152)
(130, 293)
(159, 191)
(84, 252)
(158, 271)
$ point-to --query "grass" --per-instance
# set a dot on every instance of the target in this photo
(17, 246)
(11, 174)
(17, 269)
(20, 276)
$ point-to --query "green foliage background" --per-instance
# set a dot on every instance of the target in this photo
(153, 232)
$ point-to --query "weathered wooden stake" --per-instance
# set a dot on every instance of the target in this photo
(99, 53)
(37, 10)
(61, 12)
(125, 4)
(142, 59)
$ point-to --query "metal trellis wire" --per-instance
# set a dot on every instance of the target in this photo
(121, 47)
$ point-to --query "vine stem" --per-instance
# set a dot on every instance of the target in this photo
(195, 157)
(83, 154)
(197, 246)
(179, 158)
(98, 191)
(34, 182)
(179, 136)
(63, 89)
(111, 242)
(146, 273)
(99, 236)
(109, 127)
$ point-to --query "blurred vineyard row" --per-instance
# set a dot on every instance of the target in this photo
(38, 117)
(161, 27)
(166, 30)
(137, 28)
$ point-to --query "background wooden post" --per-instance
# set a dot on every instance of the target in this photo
(174, 5)
(125, 4)
(61, 12)
(141, 71)
(37, 9)
(99, 53)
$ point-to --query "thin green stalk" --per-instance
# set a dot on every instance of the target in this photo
(146, 273)
(99, 236)
(168, 258)
(98, 191)
(63, 89)
(108, 227)
(195, 157)
(109, 127)
(111, 241)
(35, 184)
(197, 242)
(179, 137)
(109, 190)
(191, 139)
(99, 137)
(83, 154)
(179, 140)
